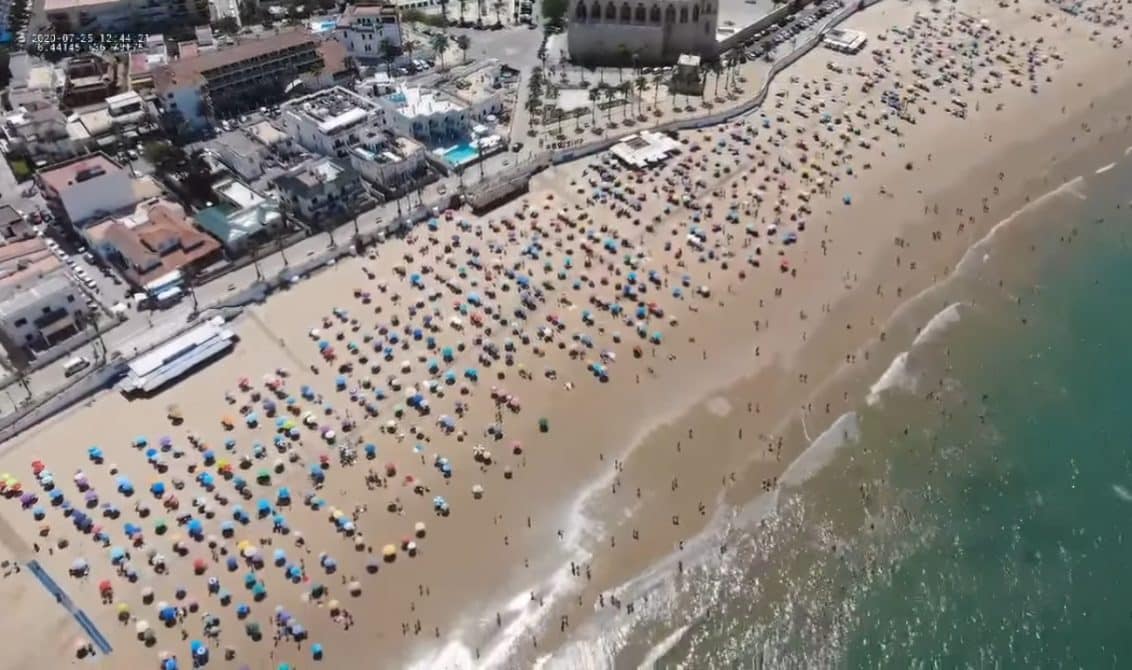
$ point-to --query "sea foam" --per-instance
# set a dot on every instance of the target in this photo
(895, 377)
(938, 324)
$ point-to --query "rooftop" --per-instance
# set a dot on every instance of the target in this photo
(265, 133)
(75, 172)
(313, 175)
(17, 301)
(412, 102)
(334, 109)
(63, 5)
(354, 12)
(186, 71)
(156, 240)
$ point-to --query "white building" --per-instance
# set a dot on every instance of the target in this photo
(35, 317)
(224, 9)
(393, 164)
(126, 108)
(91, 187)
(364, 28)
(332, 121)
(434, 116)
(655, 31)
(322, 192)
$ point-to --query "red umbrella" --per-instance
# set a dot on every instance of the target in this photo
(199, 566)
(37, 467)
(104, 587)
(390, 469)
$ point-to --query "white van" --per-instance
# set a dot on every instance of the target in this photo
(75, 365)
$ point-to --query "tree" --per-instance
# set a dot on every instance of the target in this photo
(444, 11)
(463, 5)
(595, 96)
(388, 55)
(622, 58)
(657, 80)
(717, 70)
(497, 6)
(409, 46)
(627, 91)
(610, 94)
(166, 157)
(551, 93)
(642, 86)
(5, 73)
(227, 24)
(554, 12)
(439, 43)
(197, 176)
(463, 42)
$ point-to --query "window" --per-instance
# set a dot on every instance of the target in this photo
(707, 8)
(70, 298)
(611, 12)
(640, 14)
(47, 310)
(581, 13)
(669, 15)
(20, 322)
(654, 14)
(695, 13)
(595, 11)
(683, 15)
(626, 13)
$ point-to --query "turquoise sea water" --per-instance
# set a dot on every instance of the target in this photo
(975, 513)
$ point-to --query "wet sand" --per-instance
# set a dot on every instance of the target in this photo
(851, 266)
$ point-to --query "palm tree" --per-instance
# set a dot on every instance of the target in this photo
(463, 42)
(717, 70)
(657, 80)
(190, 276)
(439, 43)
(551, 93)
(610, 93)
(622, 57)
(463, 5)
(408, 46)
(388, 55)
(626, 90)
(642, 86)
(444, 11)
(497, 5)
(595, 96)
(636, 62)
(255, 263)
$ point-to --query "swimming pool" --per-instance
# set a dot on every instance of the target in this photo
(461, 153)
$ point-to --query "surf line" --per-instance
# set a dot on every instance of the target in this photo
(1102, 170)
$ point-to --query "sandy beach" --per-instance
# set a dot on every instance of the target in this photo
(457, 447)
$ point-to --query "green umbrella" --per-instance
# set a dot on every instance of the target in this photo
(543, 424)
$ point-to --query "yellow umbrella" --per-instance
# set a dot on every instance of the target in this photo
(242, 545)
(336, 514)
(333, 605)
(123, 608)
(389, 551)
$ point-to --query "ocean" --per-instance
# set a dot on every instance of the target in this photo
(970, 511)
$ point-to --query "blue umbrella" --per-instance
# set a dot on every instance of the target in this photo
(157, 488)
(94, 453)
(243, 610)
(316, 651)
(151, 453)
(280, 557)
(167, 615)
(263, 508)
(294, 573)
(169, 664)
(232, 564)
(195, 527)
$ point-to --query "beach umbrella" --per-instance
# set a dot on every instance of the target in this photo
(250, 580)
(232, 564)
(142, 627)
(195, 527)
(259, 591)
(199, 566)
(279, 557)
(316, 651)
(295, 573)
(167, 614)
(169, 664)
(389, 552)
(117, 555)
(253, 630)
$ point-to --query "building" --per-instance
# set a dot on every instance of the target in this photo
(224, 9)
(36, 128)
(89, 79)
(192, 92)
(242, 218)
(434, 116)
(606, 32)
(322, 192)
(251, 151)
(394, 165)
(174, 359)
(332, 121)
(845, 40)
(13, 227)
(93, 187)
(688, 79)
(154, 247)
(141, 66)
(35, 317)
(24, 262)
(363, 29)
(645, 148)
(121, 16)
